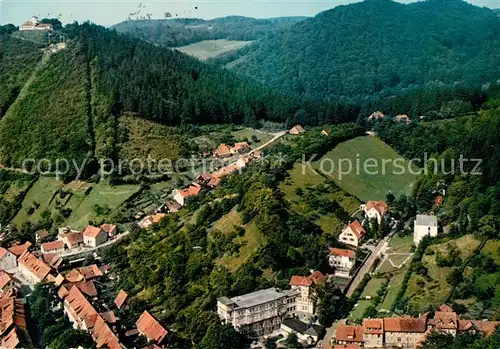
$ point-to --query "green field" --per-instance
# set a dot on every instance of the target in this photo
(393, 289)
(400, 244)
(376, 173)
(247, 133)
(372, 287)
(52, 195)
(206, 49)
(357, 312)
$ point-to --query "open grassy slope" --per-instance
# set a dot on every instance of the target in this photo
(206, 49)
(376, 173)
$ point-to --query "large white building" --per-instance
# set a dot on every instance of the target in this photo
(257, 313)
(342, 260)
(305, 301)
(34, 24)
(424, 226)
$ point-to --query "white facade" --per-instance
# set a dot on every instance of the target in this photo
(424, 226)
(179, 198)
(94, 241)
(8, 259)
(342, 262)
(257, 313)
(304, 303)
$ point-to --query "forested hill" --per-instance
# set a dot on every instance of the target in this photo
(74, 98)
(378, 48)
(183, 31)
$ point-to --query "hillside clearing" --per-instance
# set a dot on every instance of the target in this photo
(206, 49)
(376, 173)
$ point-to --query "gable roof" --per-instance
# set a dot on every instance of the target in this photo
(151, 328)
(53, 245)
(109, 317)
(222, 150)
(241, 146)
(341, 252)
(90, 272)
(426, 220)
(19, 249)
(87, 287)
(74, 276)
(80, 306)
(446, 320)
(407, 324)
(91, 231)
(373, 326)
(192, 190)
(74, 238)
(317, 276)
(5, 279)
(349, 333)
(4, 252)
(157, 217)
(300, 281)
(34, 265)
(380, 206)
(104, 336)
(42, 234)
(356, 229)
(121, 298)
(108, 228)
(11, 340)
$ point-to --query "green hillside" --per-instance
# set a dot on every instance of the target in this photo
(206, 49)
(361, 181)
(184, 31)
(378, 48)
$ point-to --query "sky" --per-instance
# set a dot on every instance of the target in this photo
(109, 12)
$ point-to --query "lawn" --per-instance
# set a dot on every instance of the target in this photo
(206, 49)
(400, 244)
(386, 267)
(372, 287)
(358, 311)
(251, 241)
(393, 289)
(376, 173)
(247, 133)
(228, 223)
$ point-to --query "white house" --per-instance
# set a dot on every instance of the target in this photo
(425, 225)
(32, 269)
(53, 247)
(93, 236)
(181, 196)
(8, 260)
(305, 302)
(342, 260)
(352, 234)
(375, 210)
(34, 24)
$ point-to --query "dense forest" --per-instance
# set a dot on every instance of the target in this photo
(378, 48)
(183, 31)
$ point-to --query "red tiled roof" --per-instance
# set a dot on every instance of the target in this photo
(5, 278)
(446, 320)
(317, 276)
(91, 231)
(11, 340)
(90, 272)
(380, 206)
(59, 280)
(18, 249)
(104, 336)
(157, 217)
(74, 238)
(74, 276)
(121, 298)
(398, 324)
(42, 234)
(192, 190)
(348, 333)
(297, 129)
(109, 317)
(215, 181)
(373, 326)
(3, 252)
(300, 281)
(63, 292)
(241, 146)
(486, 327)
(81, 308)
(108, 228)
(446, 309)
(87, 287)
(34, 265)
(151, 328)
(357, 229)
(53, 245)
(222, 150)
(341, 252)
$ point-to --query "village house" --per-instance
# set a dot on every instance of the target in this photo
(148, 221)
(307, 333)
(203, 178)
(53, 260)
(18, 249)
(7, 282)
(376, 115)
(8, 260)
(258, 313)
(242, 162)
(425, 225)
(32, 269)
(13, 327)
(297, 130)
(408, 332)
(215, 181)
(120, 299)
(375, 210)
(342, 260)
(182, 196)
(72, 240)
(172, 206)
(240, 148)
(352, 234)
(34, 24)
(41, 235)
(403, 118)
(304, 285)
(53, 247)
(149, 327)
(110, 229)
(93, 236)
(222, 151)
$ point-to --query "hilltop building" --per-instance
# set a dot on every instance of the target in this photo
(34, 24)
(342, 260)
(425, 225)
(375, 210)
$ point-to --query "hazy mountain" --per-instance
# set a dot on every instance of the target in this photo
(183, 31)
(377, 48)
